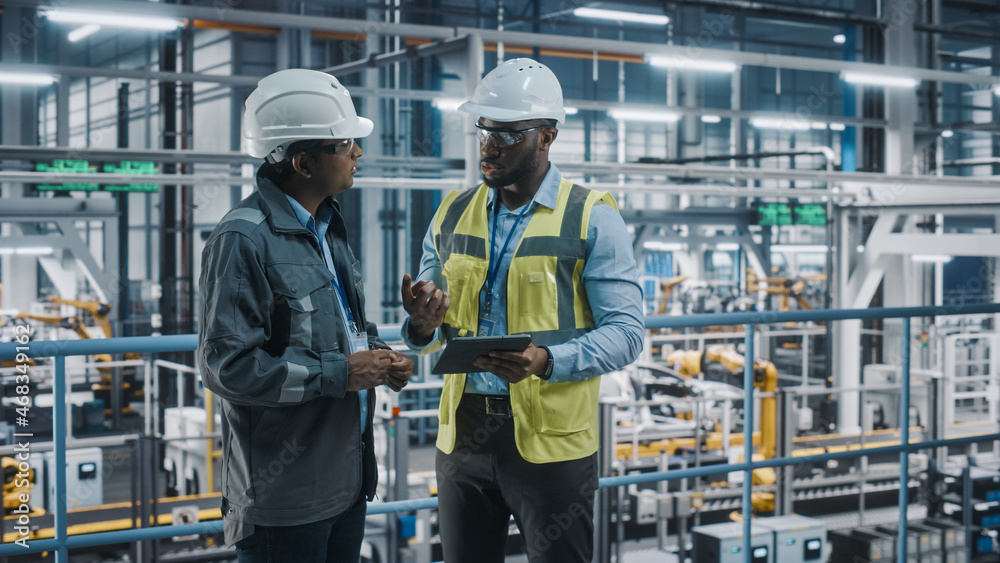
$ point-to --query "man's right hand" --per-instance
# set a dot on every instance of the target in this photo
(368, 369)
(426, 305)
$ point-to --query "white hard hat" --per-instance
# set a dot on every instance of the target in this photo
(518, 90)
(295, 105)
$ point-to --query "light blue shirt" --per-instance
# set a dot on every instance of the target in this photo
(610, 278)
(317, 226)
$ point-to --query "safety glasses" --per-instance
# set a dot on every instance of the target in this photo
(340, 147)
(504, 137)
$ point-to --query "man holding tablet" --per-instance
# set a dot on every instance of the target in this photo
(526, 252)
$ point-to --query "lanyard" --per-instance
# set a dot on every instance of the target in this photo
(341, 293)
(491, 272)
(343, 301)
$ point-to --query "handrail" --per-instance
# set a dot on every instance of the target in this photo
(182, 343)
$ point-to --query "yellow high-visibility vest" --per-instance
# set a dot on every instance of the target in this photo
(545, 297)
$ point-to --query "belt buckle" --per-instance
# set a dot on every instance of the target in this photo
(498, 407)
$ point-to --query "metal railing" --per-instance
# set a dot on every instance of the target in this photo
(59, 350)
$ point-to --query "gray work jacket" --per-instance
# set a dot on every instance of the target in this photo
(272, 346)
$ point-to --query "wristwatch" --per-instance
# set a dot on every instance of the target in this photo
(551, 363)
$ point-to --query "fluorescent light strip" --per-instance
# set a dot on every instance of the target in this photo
(879, 80)
(84, 31)
(728, 246)
(114, 20)
(690, 63)
(776, 123)
(840, 39)
(643, 115)
(800, 248)
(447, 104)
(818, 125)
(663, 246)
(947, 133)
(451, 104)
(617, 15)
(711, 119)
(26, 78)
(837, 127)
(27, 250)
(934, 258)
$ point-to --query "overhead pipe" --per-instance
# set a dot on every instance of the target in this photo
(826, 152)
(540, 40)
(408, 54)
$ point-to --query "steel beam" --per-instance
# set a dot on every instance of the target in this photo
(31, 210)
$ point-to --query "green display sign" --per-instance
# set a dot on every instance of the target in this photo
(63, 166)
(809, 214)
(131, 167)
(83, 166)
(770, 214)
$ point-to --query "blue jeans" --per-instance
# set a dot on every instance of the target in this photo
(334, 540)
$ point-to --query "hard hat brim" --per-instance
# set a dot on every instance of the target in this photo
(363, 128)
(504, 115)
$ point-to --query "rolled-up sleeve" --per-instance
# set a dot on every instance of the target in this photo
(610, 278)
(236, 360)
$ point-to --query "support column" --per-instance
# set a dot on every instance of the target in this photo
(373, 241)
(900, 103)
(19, 111)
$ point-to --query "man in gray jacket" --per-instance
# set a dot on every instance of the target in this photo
(284, 340)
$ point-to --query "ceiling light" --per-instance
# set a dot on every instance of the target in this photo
(570, 110)
(114, 20)
(83, 31)
(28, 250)
(840, 39)
(447, 104)
(996, 90)
(26, 78)
(691, 63)
(663, 246)
(711, 119)
(775, 123)
(617, 15)
(727, 246)
(860, 248)
(947, 133)
(879, 80)
(934, 258)
(837, 127)
(800, 248)
(818, 125)
(643, 115)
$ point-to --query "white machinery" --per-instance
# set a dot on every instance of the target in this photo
(84, 474)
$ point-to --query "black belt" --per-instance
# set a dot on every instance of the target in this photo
(498, 405)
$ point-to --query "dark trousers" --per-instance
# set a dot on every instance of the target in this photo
(334, 540)
(485, 480)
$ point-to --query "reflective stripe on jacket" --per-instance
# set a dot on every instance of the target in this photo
(545, 297)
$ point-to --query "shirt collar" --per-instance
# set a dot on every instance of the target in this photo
(322, 220)
(548, 191)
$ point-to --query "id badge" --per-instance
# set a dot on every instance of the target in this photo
(485, 327)
(359, 343)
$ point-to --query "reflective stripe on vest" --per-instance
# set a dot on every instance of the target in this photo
(545, 297)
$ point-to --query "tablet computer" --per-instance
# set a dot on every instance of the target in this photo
(459, 356)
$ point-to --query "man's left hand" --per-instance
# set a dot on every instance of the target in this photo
(398, 374)
(513, 367)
